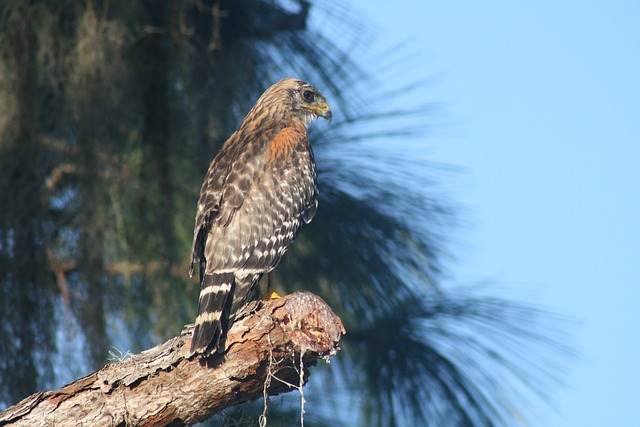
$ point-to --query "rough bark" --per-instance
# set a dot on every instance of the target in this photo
(162, 386)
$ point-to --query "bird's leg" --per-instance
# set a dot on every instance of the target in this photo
(270, 293)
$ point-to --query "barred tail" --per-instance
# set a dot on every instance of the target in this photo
(213, 312)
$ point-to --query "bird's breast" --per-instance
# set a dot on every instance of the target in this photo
(286, 142)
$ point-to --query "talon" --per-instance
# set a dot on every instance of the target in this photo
(270, 294)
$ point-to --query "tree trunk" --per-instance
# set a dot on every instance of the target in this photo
(161, 386)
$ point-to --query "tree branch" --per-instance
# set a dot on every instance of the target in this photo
(161, 387)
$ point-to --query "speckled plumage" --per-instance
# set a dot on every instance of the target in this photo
(257, 192)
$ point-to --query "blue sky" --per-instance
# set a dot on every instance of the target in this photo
(542, 114)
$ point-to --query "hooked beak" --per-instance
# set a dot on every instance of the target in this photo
(324, 111)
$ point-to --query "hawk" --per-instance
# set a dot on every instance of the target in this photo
(259, 189)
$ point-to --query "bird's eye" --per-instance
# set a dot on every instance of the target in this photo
(308, 95)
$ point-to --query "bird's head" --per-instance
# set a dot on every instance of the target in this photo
(310, 102)
(298, 98)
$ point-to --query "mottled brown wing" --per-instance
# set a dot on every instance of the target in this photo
(282, 194)
(228, 178)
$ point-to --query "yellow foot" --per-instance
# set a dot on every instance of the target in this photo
(270, 294)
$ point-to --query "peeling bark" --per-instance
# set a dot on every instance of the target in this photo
(162, 386)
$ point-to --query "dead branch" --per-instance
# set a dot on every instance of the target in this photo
(161, 387)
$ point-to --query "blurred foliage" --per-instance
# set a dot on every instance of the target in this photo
(110, 112)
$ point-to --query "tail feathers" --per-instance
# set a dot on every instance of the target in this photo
(213, 312)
